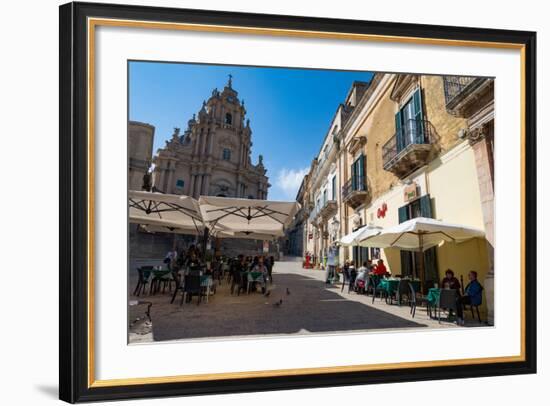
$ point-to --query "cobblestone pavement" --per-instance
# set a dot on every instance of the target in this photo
(312, 307)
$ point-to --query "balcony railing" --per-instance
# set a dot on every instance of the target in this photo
(457, 87)
(355, 191)
(409, 146)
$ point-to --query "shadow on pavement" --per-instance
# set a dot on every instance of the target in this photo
(310, 307)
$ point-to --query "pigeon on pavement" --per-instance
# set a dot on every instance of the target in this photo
(279, 303)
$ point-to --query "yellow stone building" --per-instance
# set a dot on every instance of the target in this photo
(418, 145)
(416, 158)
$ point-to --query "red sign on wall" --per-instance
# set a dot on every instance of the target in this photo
(381, 212)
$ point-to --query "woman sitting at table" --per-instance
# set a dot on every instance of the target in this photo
(449, 281)
(361, 278)
(380, 269)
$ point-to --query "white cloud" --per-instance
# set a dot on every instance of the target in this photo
(289, 180)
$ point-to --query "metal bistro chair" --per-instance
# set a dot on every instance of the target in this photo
(376, 289)
(144, 273)
(447, 300)
(349, 276)
(158, 281)
(179, 286)
(192, 286)
(403, 290)
(414, 300)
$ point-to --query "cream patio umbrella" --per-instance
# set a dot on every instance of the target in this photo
(249, 235)
(175, 212)
(160, 226)
(354, 238)
(247, 215)
(420, 234)
(158, 209)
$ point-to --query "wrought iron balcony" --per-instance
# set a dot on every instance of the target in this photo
(409, 148)
(355, 191)
(461, 90)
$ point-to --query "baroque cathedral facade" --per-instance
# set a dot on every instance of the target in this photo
(212, 156)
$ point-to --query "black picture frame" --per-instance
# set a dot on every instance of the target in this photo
(74, 201)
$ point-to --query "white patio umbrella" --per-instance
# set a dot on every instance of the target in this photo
(249, 235)
(164, 210)
(420, 234)
(247, 215)
(354, 238)
(161, 226)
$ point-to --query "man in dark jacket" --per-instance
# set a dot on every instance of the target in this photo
(472, 296)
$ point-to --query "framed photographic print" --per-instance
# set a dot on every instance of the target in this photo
(258, 202)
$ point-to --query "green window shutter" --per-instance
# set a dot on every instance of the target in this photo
(430, 266)
(418, 116)
(361, 172)
(398, 131)
(353, 176)
(426, 206)
(403, 214)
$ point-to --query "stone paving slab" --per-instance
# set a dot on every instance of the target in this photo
(312, 307)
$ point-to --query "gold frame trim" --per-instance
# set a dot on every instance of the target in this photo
(94, 22)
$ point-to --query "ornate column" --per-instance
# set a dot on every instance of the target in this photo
(480, 139)
(171, 168)
(210, 141)
(192, 185)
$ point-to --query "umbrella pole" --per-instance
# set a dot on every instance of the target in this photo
(204, 241)
(421, 261)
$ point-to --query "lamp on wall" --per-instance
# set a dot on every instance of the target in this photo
(334, 228)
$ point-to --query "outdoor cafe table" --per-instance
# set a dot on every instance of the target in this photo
(390, 286)
(157, 275)
(433, 296)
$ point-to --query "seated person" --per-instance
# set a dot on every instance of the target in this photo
(449, 281)
(262, 268)
(361, 278)
(380, 269)
(472, 296)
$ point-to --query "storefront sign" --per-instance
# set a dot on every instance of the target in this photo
(410, 192)
(381, 212)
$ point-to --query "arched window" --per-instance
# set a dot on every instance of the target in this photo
(228, 119)
(226, 156)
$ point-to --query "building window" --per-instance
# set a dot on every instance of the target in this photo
(358, 174)
(334, 187)
(180, 183)
(228, 119)
(226, 154)
(325, 196)
(409, 124)
(421, 207)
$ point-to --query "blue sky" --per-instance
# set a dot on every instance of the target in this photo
(290, 110)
